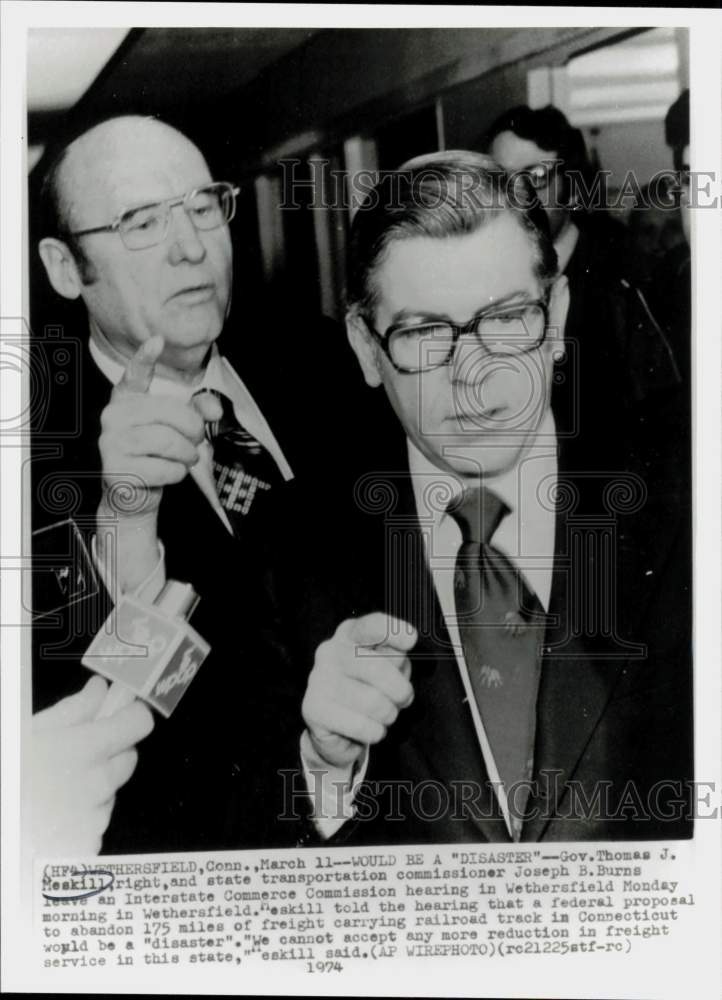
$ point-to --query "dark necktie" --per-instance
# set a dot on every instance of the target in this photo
(501, 624)
(242, 468)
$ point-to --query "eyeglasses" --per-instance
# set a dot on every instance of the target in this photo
(208, 207)
(500, 330)
(540, 174)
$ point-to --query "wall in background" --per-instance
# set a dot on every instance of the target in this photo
(350, 99)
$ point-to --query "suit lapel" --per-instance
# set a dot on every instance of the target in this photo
(616, 551)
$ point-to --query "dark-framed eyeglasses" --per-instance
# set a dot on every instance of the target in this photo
(500, 330)
(208, 207)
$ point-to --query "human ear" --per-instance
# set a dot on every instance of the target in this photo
(558, 310)
(60, 267)
(364, 348)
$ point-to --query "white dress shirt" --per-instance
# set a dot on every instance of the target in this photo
(525, 536)
(218, 375)
(565, 244)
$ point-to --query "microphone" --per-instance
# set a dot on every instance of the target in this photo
(148, 651)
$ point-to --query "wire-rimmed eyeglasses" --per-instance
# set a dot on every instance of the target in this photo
(208, 207)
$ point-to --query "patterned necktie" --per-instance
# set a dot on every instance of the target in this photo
(242, 468)
(501, 624)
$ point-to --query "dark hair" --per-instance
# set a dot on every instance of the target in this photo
(438, 195)
(547, 127)
(676, 127)
(550, 130)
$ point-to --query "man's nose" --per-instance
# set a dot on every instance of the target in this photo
(471, 361)
(183, 238)
(481, 379)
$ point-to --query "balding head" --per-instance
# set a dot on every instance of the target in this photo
(108, 155)
(80, 170)
(180, 287)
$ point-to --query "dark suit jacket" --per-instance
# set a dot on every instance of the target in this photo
(614, 705)
(208, 776)
(626, 368)
(593, 369)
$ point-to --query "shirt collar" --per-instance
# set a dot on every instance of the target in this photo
(565, 245)
(214, 374)
(435, 488)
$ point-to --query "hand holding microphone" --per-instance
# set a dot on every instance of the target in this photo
(148, 651)
(77, 766)
(83, 748)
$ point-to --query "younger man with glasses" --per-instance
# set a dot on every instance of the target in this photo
(506, 633)
(173, 463)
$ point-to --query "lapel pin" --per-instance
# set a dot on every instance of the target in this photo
(490, 676)
(514, 623)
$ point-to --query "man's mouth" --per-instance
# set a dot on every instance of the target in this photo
(193, 294)
(485, 417)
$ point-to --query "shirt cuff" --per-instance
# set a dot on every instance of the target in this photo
(332, 789)
(147, 590)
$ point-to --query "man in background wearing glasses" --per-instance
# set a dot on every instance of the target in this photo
(136, 227)
(512, 660)
(591, 247)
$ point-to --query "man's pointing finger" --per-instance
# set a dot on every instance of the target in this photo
(380, 630)
(139, 372)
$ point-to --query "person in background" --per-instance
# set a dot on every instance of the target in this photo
(653, 232)
(660, 347)
(671, 294)
(541, 145)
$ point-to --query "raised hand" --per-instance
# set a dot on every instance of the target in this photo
(146, 442)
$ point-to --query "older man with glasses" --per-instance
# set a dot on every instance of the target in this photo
(172, 469)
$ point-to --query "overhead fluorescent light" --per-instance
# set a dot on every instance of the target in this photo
(63, 62)
(34, 154)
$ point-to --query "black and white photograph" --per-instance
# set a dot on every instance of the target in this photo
(361, 475)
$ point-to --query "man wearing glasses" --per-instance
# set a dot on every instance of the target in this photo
(174, 462)
(514, 640)
(540, 144)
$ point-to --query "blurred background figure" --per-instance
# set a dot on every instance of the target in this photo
(541, 144)
(659, 301)
(676, 135)
(660, 334)
(672, 281)
(658, 244)
(654, 230)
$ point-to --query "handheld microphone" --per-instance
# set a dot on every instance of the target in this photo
(148, 651)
